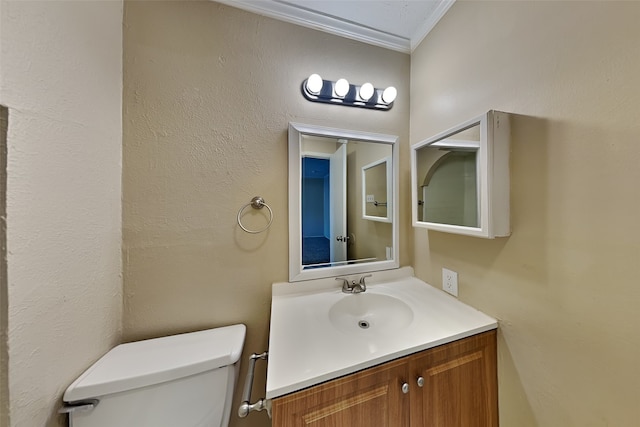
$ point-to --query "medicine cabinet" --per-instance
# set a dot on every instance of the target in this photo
(377, 182)
(460, 178)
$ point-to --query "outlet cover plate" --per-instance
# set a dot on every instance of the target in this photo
(450, 281)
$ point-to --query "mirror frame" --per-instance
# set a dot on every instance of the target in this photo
(492, 175)
(296, 270)
(389, 184)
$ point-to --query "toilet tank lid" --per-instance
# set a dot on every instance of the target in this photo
(143, 363)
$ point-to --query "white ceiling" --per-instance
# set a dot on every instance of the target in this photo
(392, 24)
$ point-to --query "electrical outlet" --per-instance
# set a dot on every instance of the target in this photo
(450, 281)
(370, 198)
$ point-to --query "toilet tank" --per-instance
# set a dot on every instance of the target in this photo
(184, 380)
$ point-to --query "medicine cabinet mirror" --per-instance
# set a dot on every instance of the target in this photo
(460, 178)
(333, 229)
(376, 190)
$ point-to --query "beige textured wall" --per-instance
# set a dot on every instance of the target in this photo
(209, 91)
(4, 309)
(61, 79)
(565, 284)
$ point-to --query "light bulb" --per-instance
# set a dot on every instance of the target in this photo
(341, 88)
(389, 95)
(366, 91)
(314, 84)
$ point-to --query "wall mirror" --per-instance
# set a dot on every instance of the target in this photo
(331, 230)
(460, 178)
(376, 190)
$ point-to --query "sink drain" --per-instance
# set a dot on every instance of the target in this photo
(363, 324)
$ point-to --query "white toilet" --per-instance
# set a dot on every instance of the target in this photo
(182, 380)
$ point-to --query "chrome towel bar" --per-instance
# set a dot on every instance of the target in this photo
(261, 404)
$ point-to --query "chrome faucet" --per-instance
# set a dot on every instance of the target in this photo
(353, 287)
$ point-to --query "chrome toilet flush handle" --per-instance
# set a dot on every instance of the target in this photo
(82, 406)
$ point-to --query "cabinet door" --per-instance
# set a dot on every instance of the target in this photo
(370, 398)
(460, 384)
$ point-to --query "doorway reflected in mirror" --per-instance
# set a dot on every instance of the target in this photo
(315, 210)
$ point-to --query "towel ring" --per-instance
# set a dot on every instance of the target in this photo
(256, 203)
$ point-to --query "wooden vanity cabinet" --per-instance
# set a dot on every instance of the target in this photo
(372, 397)
(460, 386)
(459, 389)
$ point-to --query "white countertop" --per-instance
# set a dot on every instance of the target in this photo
(306, 349)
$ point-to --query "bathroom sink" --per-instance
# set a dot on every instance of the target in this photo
(370, 312)
(316, 335)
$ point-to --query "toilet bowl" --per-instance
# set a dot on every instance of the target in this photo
(184, 380)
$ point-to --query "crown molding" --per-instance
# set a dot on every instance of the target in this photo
(291, 13)
(430, 23)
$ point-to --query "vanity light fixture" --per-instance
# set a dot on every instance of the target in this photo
(314, 84)
(341, 92)
(341, 88)
(366, 91)
(389, 95)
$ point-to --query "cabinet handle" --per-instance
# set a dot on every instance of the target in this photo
(405, 388)
(420, 381)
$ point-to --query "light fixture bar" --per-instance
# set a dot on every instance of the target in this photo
(344, 93)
